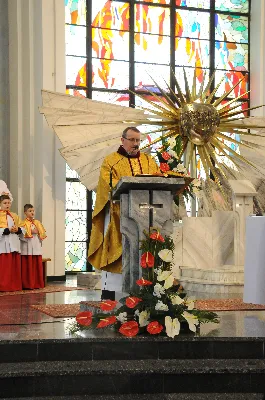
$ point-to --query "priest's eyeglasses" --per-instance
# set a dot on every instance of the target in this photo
(132, 140)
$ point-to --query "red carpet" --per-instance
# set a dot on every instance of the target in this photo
(46, 289)
(71, 310)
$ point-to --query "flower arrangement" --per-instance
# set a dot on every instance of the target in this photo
(169, 156)
(159, 306)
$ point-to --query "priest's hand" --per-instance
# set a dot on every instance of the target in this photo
(34, 230)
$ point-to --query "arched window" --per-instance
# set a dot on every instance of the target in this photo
(114, 47)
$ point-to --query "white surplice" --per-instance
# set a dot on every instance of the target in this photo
(10, 243)
(31, 246)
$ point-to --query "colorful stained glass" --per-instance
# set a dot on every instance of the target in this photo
(76, 198)
(75, 223)
(101, 39)
(231, 56)
(152, 48)
(241, 6)
(111, 97)
(75, 40)
(232, 78)
(156, 1)
(75, 12)
(191, 52)
(70, 173)
(190, 74)
(75, 92)
(193, 3)
(110, 14)
(154, 20)
(231, 28)
(76, 71)
(145, 73)
(75, 256)
(192, 24)
(110, 74)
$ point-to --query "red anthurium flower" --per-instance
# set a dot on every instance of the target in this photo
(108, 305)
(132, 302)
(154, 328)
(165, 155)
(164, 167)
(143, 282)
(107, 321)
(84, 318)
(129, 329)
(157, 236)
(147, 260)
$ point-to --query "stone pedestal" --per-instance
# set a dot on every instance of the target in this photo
(243, 193)
(145, 202)
(213, 248)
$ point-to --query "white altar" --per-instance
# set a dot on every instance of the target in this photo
(254, 280)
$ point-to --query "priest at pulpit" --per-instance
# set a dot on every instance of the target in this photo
(105, 248)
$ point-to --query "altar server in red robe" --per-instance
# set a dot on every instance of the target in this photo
(11, 230)
(31, 251)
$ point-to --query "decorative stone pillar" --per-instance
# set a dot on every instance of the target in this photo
(243, 193)
(37, 171)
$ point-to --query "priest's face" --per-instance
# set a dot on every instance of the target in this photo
(131, 141)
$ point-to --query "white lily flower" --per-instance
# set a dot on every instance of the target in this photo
(172, 153)
(169, 282)
(172, 326)
(166, 255)
(160, 306)
(172, 142)
(192, 320)
(164, 275)
(196, 183)
(168, 277)
(176, 300)
(181, 168)
(122, 317)
(190, 303)
(143, 318)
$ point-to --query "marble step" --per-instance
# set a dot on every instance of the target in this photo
(140, 347)
(131, 377)
(202, 286)
(159, 396)
(223, 275)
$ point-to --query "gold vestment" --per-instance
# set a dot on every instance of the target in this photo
(105, 251)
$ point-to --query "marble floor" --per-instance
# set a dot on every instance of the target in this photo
(18, 321)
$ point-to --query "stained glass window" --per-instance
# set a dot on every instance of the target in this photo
(75, 223)
(113, 47)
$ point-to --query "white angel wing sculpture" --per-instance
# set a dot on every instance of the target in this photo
(89, 130)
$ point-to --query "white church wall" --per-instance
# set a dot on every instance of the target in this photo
(37, 171)
(4, 92)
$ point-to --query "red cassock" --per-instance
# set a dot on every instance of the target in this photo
(10, 272)
(32, 272)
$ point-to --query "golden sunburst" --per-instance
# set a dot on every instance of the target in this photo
(202, 122)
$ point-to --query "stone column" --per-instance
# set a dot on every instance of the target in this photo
(243, 193)
(37, 171)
